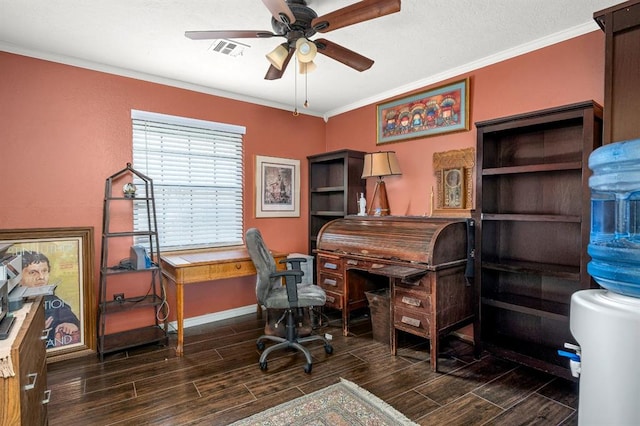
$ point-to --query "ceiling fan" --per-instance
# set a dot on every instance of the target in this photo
(296, 22)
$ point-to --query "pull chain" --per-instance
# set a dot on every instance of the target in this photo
(295, 90)
(306, 97)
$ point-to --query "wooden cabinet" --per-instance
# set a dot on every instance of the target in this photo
(532, 229)
(621, 24)
(335, 184)
(24, 397)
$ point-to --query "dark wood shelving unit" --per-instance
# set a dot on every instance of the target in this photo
(621, 25)
(532, 230)
(153, 301)
(335, 183)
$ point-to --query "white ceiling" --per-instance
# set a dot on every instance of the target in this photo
(426, 42)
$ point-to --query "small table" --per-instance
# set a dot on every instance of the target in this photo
(201, 265)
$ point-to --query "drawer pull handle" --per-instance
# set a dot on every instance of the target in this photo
(411, 321)
(330, 299)
(238, 265)
(329, 281)
(352, 262)
(330, 265)
(45, 334)
(47, 396)
(33, 378)
(412, 301)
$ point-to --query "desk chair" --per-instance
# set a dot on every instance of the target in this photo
(292, 297)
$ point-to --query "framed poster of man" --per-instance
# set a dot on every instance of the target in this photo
(59, 260)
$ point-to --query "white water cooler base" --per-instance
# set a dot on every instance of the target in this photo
(606, 325)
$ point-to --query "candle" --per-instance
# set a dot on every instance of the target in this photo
(431, 207)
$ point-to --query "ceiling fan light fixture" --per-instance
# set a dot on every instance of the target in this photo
(278, 56)
(306, 67)
(305, 50)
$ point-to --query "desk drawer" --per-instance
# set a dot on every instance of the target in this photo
(364, 265)
(330, 264)
(334, 300)
(411, 299)
(331, 282)
(422, 284)
(412, 321)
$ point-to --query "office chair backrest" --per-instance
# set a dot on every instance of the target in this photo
(263, 261)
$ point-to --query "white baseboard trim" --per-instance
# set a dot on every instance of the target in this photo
(216, 316)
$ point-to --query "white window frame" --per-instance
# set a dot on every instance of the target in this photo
(197, 172)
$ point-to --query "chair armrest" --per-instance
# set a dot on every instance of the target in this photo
(291, 278)
(295, 265)
(293, 260)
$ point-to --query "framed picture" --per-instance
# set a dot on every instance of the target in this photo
(454, 183)
(61, 258)
(441, 110)
(277, 187)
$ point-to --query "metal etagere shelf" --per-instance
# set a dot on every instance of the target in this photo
(118, 275)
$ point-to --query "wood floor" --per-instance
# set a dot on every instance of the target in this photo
(218, 381)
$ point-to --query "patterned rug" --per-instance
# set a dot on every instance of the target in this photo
(342, 404)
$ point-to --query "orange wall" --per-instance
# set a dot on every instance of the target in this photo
(565, 73)
(63, 130)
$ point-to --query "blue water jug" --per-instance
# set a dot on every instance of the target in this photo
(615, 217)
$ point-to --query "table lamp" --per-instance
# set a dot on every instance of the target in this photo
(380, 164)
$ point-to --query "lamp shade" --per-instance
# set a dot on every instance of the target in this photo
(305, 50)
(377, 164)
(278, 55)
(306, 67)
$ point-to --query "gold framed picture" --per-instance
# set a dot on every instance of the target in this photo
(454, 183)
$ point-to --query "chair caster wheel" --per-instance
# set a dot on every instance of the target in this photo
(328, 349)
(263, 365)
(307, 368)
(260, 345)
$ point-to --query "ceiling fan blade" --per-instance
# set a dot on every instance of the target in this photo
(274, 73)
(355, 13)
(206, 35)
(280, 11)
(344, 55)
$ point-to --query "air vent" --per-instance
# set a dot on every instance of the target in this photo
(228, 47)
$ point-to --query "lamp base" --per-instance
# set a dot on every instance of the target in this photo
(379, 204)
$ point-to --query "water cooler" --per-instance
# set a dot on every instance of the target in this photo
(606, 322)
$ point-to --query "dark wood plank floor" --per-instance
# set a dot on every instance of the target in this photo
(218, 381)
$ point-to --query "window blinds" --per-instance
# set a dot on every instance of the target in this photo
(197, 173)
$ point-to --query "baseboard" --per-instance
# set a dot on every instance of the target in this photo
(216, 316)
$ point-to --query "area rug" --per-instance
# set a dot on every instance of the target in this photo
(342, 404)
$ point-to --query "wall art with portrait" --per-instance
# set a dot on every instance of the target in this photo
(62, 257)
(277, 187)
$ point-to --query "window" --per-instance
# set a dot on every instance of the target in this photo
(197, 172)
